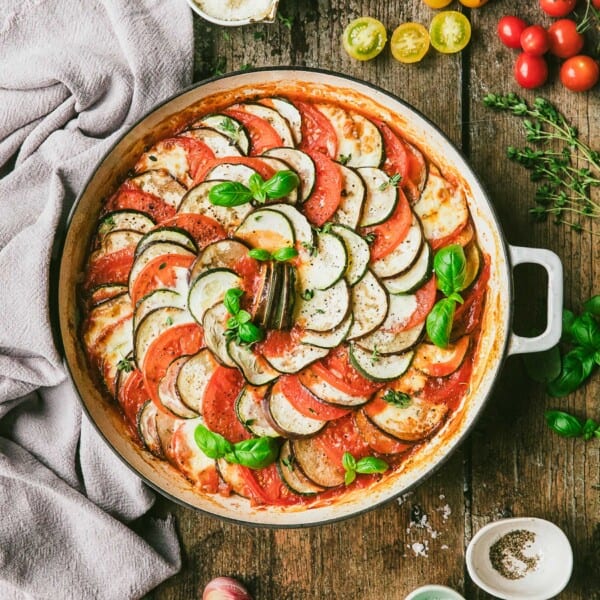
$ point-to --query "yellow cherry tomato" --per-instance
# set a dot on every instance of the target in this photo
(410, 42)
(364, 38)
(450, 31)
(437, 3)
(473, 3)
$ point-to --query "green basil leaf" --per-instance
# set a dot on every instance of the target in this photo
(563, 423)
(243, 317)
(229, 193)
(543, 366)
(250, 333)
(456, 297)
(255, 453)
(284, 254)
(371, 464)
(568, 318)
(281, 184)
(574, 370)
(348, 461)
(260, 254)
(349, 476)
(212, 444)
(232, 323)
(439, 322)
(232, 300)
(592, 306)
(589, 428)
(450, 266)
(256, 185)
(586, 331)
(597, 357)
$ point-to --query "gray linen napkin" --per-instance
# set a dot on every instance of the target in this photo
(73, 75)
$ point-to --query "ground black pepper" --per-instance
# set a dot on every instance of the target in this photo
(508, 557)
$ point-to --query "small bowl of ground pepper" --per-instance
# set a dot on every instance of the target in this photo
(520, 559)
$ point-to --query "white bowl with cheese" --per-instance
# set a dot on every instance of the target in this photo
(232, 13)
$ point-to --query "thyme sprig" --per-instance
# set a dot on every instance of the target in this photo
(566, 175)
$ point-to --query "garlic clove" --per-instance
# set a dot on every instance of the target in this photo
(225, 588)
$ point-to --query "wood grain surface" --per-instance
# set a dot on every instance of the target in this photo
(512, 464)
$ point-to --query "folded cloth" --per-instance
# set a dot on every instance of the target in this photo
(73, 75)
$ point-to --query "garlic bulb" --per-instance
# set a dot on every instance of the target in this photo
(225, 588)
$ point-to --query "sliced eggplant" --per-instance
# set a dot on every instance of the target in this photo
(115, 241)
(329, 393)
(381, 197)
(473, 256)
(112, 348)
(292, 476)
(352, 200)
(294, 359)
(262, 295)
(302, 164)
(273, 295)
(230, 172)
(193, 377)
(170, 155)
(159, 183)
(378, 367)
(214, 324)
(348, 142)
(157, 299)
(147, 429)
(229, 127)
(315, 463)
(403, 256)
(168, 394)
(388, 342)
(235, 477)
(286, 419)
(399, 310)
(326, 266)
(220, 144)
(441, 362)
(223, 254)
(369, 306)
(358, 253)
(290, 113)
(322, 310)
(105, 315)
(283, 314)
(197, 201)
(209, 288)
(328, 339)
(131, 220)
(251, 412)
(255, 368)
(377, 438)
(371, 143)
(173, 235)
(273, 117)
(106, 291)
(415, 276)
(267, 229)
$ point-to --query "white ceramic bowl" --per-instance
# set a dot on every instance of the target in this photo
(434, 592)
(547, 580)
(264, 16)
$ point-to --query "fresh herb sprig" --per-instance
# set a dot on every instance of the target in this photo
(279, 255)
(569, 425)
(399, 399)
(393, 181)
(366, 465)
(566, 175)
(255, 453)
(240, 326)
(450, 267)
(234, 193)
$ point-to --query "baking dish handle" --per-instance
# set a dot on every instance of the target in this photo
(551, 335)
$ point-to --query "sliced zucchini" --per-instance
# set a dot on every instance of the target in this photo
(229, 127)
(412, 423)
(292, 476)
(209, 288)
(273, 117)
(214, 324)
(286, 419)
(263, 299)
(296, 358)
(159, 183)
(325, 267)
(369, 306)
(329, 393)
(274, 294)
(147, 429)
(250, 411)
(380, 199)
(388, 342)
(328, 339)
(322, 310)
(371, 144)
(106, 291)
(193, 378)
(290, 113)
(168, 394)
(220, 144)
(268, 229)
(173, 235)
(403, 256)
(223, 254)
(255, 368)
(376, 438)
(473, 256)
(415, 276)
(315, 463)
(111, 348)
(358, 252)
(441, 362)
(284, 311)
(379, 368)
(230, 172)
(131, 220)
(115, 241)
(348, 143)
(352, 200)
(301, 163)
(303, 231)
(197, 201)
(157, 299)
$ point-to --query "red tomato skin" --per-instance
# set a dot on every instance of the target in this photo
(531, 71)
(509, 31)
(596, 3)
(557, 8)
(579, 73)
(565, 40)
(534, 40)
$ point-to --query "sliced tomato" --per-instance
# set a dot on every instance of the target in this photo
(252, 273)
(306, 403)
(197, 152)
(327, 193)
(337, 370)
(218, 404)
(342, 436)
(376, 438)
(426, 296)
(182, 339)
(468, 314)
(318, 135)
(391, 232)
(271, 489)
(396, 153)
(262, 168)
(262, 134)
(203, 229)
(110, 268)
(449, 390)
(129, 196)
(277, 342)
(132, 395)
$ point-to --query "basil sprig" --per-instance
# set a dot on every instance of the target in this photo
(570, 426)
(234, 193)
(240, 326)
(280, 255)
(255, 453)
(450, 267)
(367, 465)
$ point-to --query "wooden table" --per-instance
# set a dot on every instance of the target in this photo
(512, 464)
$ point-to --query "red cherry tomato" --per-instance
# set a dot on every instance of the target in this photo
(596, 3)
(509, 31)
(557, 8)
(579, 73)
(565, 40)
(534, 40)
(531, 71)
